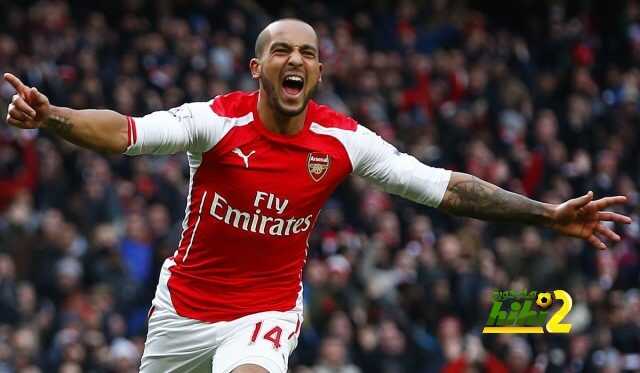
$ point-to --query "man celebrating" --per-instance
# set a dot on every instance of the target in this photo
(262, 165)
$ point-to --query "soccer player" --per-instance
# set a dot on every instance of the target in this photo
(262, 165)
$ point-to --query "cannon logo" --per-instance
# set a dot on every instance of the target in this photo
(515, 312)
(318, 165)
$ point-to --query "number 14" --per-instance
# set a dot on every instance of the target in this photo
(273, 335)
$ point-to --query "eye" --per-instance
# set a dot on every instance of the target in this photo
(309, 54)
(280, 51)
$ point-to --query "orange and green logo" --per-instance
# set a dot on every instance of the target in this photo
(528, 312)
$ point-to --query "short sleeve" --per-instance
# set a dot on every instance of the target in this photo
(402, 174)
(192, 127)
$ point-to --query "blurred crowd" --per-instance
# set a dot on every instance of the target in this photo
(539, 97)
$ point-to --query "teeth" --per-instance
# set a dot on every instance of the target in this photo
(294, 78)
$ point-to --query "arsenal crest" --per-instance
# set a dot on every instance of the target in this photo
(318, 164)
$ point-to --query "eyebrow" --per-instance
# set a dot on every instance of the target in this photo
(280, 44)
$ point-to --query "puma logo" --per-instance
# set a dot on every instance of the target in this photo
(245, 158)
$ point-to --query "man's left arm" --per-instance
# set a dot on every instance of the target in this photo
(582, 217)
(466, 195)
(470, 196)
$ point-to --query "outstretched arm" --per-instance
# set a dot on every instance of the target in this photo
(467, 195)
(100, 130)
(191, 127)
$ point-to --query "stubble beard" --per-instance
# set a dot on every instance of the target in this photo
(274, 102)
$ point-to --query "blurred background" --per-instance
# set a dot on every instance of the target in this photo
(539, 97)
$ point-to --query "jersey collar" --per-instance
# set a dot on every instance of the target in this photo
(259, 125)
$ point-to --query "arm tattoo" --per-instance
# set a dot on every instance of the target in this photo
(60, 125)
(470, 196)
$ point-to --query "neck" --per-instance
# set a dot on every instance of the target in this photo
(277, 122)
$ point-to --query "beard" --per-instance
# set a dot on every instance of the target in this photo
(274, 100)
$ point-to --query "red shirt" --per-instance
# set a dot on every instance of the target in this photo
(255, 196)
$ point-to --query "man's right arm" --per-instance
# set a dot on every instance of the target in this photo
(100, 130)
(191, 127)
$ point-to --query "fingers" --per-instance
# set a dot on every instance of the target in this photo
(605, 202)
(17, 114)
(595, 241)
(608, 233)
(605, 232)
(579, 202)
(30, 94)
(17, 84)
(612, 216)
(20, 114)
(21, 111)
(35, 97)
(17, 123)
(22, 106)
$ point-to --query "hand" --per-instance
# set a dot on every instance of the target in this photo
(29, 108)
(582, 217)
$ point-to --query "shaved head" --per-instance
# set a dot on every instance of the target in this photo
(287, 65)
(264, 37)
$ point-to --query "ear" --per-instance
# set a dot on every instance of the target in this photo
(255, 67)
(320, 69)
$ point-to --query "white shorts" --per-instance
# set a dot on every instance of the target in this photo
(179, 344)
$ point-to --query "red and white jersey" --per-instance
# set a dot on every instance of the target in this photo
(254, 197)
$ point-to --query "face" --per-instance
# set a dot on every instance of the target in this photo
(289, 69)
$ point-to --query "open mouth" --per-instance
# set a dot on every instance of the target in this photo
(292, 84)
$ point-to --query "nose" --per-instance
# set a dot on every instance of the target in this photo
(295, 58)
